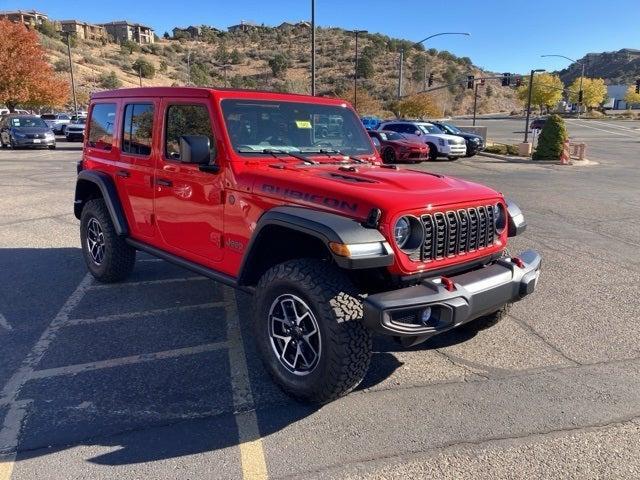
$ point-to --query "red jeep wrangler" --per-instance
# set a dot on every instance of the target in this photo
(240, 186)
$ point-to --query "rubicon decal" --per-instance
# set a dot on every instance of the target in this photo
(310, 197)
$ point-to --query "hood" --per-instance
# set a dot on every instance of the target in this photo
(355, 189)
(446, 136)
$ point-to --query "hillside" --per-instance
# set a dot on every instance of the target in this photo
(621, 67)
(250, 54)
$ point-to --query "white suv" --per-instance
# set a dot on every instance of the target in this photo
(440, 144)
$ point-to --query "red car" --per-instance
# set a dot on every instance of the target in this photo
(244, 187)
(395, 147)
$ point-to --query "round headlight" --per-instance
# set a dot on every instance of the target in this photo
(401, 231)
(499, 217)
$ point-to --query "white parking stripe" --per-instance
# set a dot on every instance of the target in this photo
(130, 360)
(4, 323)
(581, 124)
(613, 125)
(143, 313)
(195, 278)
(252, 458)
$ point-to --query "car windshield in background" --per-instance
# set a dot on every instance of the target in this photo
(48, 116)
(79, 121)
(26, 122)
(451, 128)
(429, 128)
(260, 127)
(386, 136)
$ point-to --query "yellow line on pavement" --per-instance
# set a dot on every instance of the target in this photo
(254, 466)
(6, 466)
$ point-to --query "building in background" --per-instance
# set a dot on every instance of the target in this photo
(615, 95)
(123, 30)
(84, 30)
(190, 31)
(243, 27)
(29, 18)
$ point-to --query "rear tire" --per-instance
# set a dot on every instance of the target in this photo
(311, 294)
(108, 257)
(52, 147)
(433, 152)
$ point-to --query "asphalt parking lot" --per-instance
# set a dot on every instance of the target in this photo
(157, 378)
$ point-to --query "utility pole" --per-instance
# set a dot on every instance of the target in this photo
(225, 68)
(313, 47)
(475, 102)
(355, 70)
(400, 74)
(140, 74)
(526, 126)
(73, 83)
(582, 63)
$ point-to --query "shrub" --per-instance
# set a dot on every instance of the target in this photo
(279, 65)
(128, 47)
(49, 29)
(61, 65)
(109, 81)
(551, 139)
(146, 69)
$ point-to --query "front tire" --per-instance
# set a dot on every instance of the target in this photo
(307, 325)
(108, 257)
(433, 152)
(389, 156)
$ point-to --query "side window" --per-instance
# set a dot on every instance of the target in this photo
(394, 127)
(186, 120)
(137, 128)
(103, 117)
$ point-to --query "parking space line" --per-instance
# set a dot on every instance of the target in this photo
(142, 313)
(6, 466)
(123, 361)
(252, 457)
(575, 122)
(104, 286)
(4, 323)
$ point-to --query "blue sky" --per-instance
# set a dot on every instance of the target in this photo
(505, 35)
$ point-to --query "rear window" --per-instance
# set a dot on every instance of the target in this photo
(48, 116)
(137, 128)
(103, 117)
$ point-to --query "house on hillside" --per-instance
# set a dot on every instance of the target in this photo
(123, 30)
(190, 31)
(29, 18)
(290, 26)
(84, 30)
(243, 27)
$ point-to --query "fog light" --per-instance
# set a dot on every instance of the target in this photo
(425, 318)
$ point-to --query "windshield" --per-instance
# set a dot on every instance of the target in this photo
(255, 126)
(451, 128)
(429, 128)
(391, 136)
(48, 116)
(79, 121)
(20, 122)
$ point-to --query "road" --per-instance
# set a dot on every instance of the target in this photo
(157, 378)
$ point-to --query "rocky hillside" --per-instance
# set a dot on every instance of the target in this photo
(278, 59)
(621, 67)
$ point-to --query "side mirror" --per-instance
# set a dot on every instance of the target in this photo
(195, 149)
(417, 132)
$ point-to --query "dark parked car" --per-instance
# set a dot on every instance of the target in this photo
(475, 143)
(25, 131)
(537, 123)
(395, 147)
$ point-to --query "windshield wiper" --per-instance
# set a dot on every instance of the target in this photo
(338, 152)
(302, 158)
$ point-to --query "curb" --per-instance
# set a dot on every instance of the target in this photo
(516, 159)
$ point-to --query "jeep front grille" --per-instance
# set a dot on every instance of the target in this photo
(454, 232)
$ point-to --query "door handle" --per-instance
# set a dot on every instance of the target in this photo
(164, 182)
(123, 173)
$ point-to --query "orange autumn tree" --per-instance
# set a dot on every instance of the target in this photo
(26, 78)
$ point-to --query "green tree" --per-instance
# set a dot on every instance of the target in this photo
(128, 47)
(199, 75)
(594, 91)
(109, 81)
(144, 68)
(279, 65)
(49, 29)
(547, 90)
(551, 140)
(631, 96)
(61, 65)
(418, 68)
(236, 57)
(365, 67)
(164, 66)
(222, 54)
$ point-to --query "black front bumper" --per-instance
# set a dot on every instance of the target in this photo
(454, 300)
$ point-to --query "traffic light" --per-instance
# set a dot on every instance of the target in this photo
(580, 96)
(518, 81)
(430, 79)
(506, 79)
(638, 86)
(470, 82)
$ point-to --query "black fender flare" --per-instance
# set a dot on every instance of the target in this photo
(109, 194)
(326, 227)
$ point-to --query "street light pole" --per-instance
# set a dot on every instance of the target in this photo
(475, 102)
(355, 70)
(526, 127)
(581, 76)
(425, 65)
(73, 83)
(313, 47)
